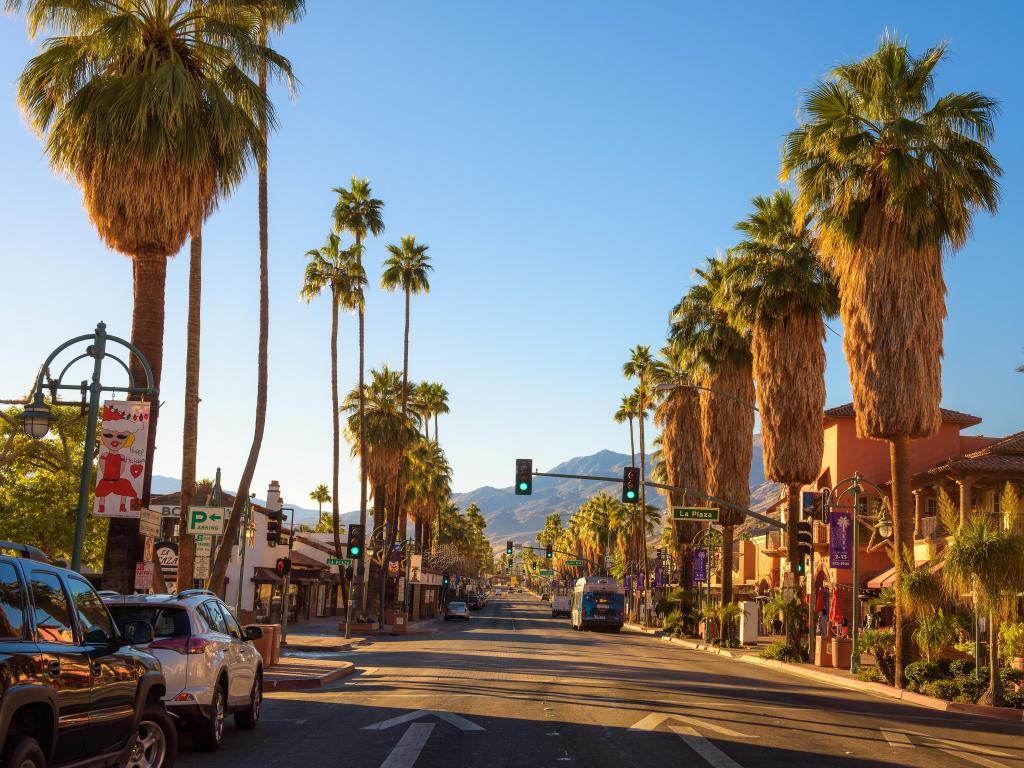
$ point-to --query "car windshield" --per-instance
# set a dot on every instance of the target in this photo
(166, 621)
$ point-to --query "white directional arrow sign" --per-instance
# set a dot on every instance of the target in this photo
(408, 749)
(652, 721)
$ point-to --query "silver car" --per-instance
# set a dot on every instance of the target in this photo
(456, 610)
(211, 666)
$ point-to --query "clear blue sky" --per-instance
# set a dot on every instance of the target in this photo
(568, 163)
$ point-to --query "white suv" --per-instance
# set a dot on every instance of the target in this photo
(211, 666)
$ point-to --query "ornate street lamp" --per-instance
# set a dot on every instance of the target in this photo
(37, 417)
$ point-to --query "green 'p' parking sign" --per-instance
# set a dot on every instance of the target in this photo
(206, 520)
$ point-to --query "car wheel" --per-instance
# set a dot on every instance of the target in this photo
(156, 742)
(247, 718)
(208, 733)
(24, 753)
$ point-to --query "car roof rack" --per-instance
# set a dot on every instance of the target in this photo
(193, 593)
(24, 550)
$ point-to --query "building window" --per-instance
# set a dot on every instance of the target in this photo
(996, 507)
(862, 505)
(932, 506)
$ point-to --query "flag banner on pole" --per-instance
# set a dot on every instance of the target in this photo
(840, 538)
(659, 576)
(700, 566)
(640, 581)
(627, 585)
(124, 434)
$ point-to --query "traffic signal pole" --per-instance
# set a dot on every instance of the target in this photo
(287, 579)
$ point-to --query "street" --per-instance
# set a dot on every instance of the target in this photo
(513, 687)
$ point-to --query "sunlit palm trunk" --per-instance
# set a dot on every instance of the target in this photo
(365, 575)
(190, 427)
(792, 550)
(124, 545)
(632, 445)
(336, 456)
(220, 564)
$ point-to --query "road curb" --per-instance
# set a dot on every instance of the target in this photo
(345, 645)
(309, 683)
(981, 710)
(641, 630)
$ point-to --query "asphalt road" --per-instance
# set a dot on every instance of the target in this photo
(513, 688)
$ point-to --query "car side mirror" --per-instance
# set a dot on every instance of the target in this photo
(138, 632)
(253, 633)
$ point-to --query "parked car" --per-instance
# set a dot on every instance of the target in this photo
(545, 597)
(73, 689)
(211, 666)
(456, 610)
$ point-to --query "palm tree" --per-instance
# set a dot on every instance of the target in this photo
(437, 397)
(421, 398)
(153, 118)
(428, 487)
(627, 412)
(321, 495)
(407, 268)
(358, 212)
(893, 177)
(785, 295)
(333, 267)
(719, 355)
(640, 366)
(987, 559)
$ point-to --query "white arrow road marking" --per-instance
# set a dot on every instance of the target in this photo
(972, 758)
(459, 722)
(961, 745)
(712, 755)
(653, 720)
(409, 747)
(897, 739)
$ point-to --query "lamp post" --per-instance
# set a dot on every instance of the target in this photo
(708, 539)
(37, 417)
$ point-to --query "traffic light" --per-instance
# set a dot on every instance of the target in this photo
(630, 485)
(275, 520)
(355, 540)
(524, 477)
(283, 566)
(508, 547)
(446, 580)
(805, 542)
(549, 552)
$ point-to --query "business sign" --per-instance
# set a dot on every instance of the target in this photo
(415, 569)
(206, 520)
(574, 563)
(167, 556)
(149, 522)
(546, 572)
(339, 561)
(840, 539)
(143, 576)
(695, 513)
(700, 566)
(124, 433)
(166, 510)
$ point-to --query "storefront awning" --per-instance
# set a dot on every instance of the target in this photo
(265, 576)
(888, 578)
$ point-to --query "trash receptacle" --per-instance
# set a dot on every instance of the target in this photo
(842, 651)
(822, 652)
(399, 624)
(270, 643)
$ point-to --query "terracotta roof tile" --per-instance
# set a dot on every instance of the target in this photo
(1005, 455)
(956, 417)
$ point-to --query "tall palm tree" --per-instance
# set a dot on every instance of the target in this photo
(438, 398)
(719, 354)
(893, 177)
(358, 212)
(641, 366)
(785, 294)
(378, 436)
(337, 269)
(153, 118)
(321, 495)
(627, 412)
(428, 487)
(421, 398)
(407, 268)
(987, 559)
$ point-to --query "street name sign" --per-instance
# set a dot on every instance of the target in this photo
(143, 575)
(149, 522)
(546, 572)
(339, 561)
(695, 513)
(576, 563)
(206, 520)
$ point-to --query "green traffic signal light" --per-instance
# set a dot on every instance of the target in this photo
(630, 494)
(523, 486)
(354, 551)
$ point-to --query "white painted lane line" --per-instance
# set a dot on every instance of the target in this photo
(449, 717)
(712, 755)
(409, 747)
(897, 739)
(973, 758)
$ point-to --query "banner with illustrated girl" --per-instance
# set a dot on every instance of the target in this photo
(124, 434)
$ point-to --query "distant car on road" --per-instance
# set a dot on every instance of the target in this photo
(545, 597)
(474, 602)
(456, 610)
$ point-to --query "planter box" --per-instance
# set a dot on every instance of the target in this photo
(369, 626)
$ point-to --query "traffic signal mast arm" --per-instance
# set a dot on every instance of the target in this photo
(570, 555)
(664, 487)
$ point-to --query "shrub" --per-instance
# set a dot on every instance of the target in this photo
(674, 622)
(941, 689)
(1011, 640)
(921, 672)
(880, 643)
(961, 667)
(1011, 676)
(935, 632)
(781, 652)
(1015, 699)
(969, 689)
(870, 675)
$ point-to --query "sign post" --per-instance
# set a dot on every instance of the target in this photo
(343, 561)
(574, 563)
(695, 513)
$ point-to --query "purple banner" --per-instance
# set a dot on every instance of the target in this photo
(640, 581)
(700, 566)
(840, 538)
(627, 584)
(659, 576)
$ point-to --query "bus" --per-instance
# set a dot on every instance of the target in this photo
(598, 601)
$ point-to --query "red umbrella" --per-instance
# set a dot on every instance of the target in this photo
(835, 612)
(819, 602)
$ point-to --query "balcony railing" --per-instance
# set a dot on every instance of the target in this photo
(931, 528)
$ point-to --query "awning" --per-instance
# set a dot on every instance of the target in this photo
(888, 578)
(304, 576)
(265, 576)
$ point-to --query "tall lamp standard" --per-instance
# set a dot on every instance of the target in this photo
(37, 417)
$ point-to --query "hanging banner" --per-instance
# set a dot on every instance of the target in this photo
(124, 434)
(627, 583)
(640, 581)
(840, 538)
(415, 568)
(659, 576)
(700, 566)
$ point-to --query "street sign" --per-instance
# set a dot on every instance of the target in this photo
(149, 522)
(339, 561)
(576, 563)
(167, 556)
(695, 513)
(202, 556)
(143, 575)
(546, 572)
(206, 520)
(204, 543)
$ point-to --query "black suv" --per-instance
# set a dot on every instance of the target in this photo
(73, 691)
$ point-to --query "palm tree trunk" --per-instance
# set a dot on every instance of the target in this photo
(437, 432)
(426, 426)
(220, 563)
(190, 428)
(632, 447)
(792, 551)
(124, 545)
(364, 568)
(335, 504)
(903, 543)
(642, 544)
(727, 538)
(397, 513)
(994, 695)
